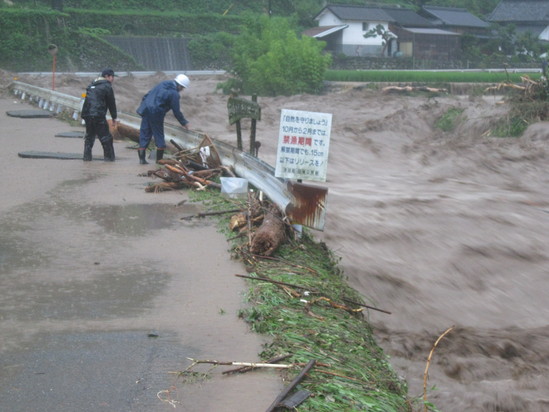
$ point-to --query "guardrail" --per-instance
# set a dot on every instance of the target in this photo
(291, 197)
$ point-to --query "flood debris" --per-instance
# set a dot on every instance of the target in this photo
(409, 89)
(308, 291)
(189, 168)
(291, 386)
(236, 363)
(284, 399)
(426, 373)
(270, 235)
(244, 369)
(205, 214)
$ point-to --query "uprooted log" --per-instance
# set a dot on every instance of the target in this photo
(270, 235)
(121, 131)
(254, 215)
(528, 87)
(408, 89)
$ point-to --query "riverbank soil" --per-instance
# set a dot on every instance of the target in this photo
(440, 228)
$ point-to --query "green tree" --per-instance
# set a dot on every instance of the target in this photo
(381, 31)
(269, 59)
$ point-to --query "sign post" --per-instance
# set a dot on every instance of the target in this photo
(303, 146)
(240, 108)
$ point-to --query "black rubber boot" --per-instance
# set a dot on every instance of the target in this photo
(108, 152)
(87, 151)
(108, 148)
(142, 153)
(159, 154)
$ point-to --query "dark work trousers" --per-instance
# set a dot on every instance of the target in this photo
(152, 125)
(98, 127)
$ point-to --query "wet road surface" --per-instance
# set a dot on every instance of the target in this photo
(105, 292)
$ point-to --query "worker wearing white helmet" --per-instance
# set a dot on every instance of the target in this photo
(153, 108)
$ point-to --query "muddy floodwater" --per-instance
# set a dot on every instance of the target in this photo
(442, 229)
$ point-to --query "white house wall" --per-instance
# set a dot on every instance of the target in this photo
(329, 19)
(544, 34)
(355, 35)
(352, 41)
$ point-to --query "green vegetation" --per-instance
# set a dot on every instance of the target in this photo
(510, 126)
(352, 373)
(401, 76)
(269, 59)
(448, 121)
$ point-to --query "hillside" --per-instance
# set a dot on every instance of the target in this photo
(79, 28)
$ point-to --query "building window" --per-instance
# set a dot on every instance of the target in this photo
(364, 26)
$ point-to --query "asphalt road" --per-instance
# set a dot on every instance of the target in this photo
(105, 292)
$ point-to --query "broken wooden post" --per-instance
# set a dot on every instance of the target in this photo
(238, 135)
(252, 131)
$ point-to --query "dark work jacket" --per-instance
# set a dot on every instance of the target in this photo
(99, 99)
(160, 100)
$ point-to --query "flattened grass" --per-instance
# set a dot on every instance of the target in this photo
(352, 372)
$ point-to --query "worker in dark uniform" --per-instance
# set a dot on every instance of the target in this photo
(153, 108)
(99, 99)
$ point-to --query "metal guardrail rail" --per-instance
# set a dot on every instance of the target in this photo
(284, 193)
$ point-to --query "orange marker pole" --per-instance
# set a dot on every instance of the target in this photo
(53, 72)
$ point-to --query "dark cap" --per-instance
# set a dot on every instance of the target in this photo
(107, 72)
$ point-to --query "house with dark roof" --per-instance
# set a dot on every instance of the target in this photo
(343, 28)
(530, 16)
(405, 33)
(455, 19)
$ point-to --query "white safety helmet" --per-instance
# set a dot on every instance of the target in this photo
(182, 80)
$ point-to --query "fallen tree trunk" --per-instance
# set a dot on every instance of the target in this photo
(270, 235)
(121, 131)
(407, 89)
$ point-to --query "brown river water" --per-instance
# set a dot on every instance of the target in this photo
(441, 229)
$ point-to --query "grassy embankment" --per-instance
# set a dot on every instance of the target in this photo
(352, 372)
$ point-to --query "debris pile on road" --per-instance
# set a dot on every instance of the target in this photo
(194, 168)
(200, 168)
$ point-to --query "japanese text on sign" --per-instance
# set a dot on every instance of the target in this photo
(303, 143)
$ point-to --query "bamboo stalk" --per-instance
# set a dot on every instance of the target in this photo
(251, 364)
(426, 373)
(249, 368)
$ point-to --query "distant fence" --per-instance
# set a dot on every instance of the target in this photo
(155, 53)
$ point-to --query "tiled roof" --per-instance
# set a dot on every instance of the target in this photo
(520, 11)
(361, 13)
(407, 17)
(450, 16)
(437, 32)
